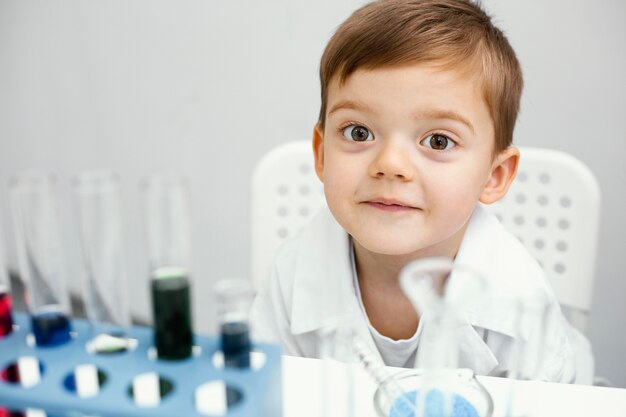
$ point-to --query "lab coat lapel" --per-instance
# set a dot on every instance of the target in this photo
(322, 286)
(323, 295)
(474, 352)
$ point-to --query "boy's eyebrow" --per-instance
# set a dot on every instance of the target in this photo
(445, 114)
(348, 104)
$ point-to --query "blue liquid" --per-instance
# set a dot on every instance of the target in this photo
(51, 328)
(235, 344)
(434, 406)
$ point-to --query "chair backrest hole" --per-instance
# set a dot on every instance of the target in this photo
(305, 169)
(539, 243)
(563, 224)
(541, 221)
(566, 202)
(542, 200)
(283, 211)
(304, 190)
(283, 190)
(559, 268)
(561, 246)
(519, 220)
(520, 198)
(544, 178)
(282, 233)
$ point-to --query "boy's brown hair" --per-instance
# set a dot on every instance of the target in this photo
(450, 33)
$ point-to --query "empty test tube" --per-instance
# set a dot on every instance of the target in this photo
(39, 241)
(97, 199)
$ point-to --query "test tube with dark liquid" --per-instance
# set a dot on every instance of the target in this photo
(172, 313)
(41, 267)
(234, 298)
(169, 242)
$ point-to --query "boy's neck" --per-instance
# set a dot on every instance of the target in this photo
(379, 284)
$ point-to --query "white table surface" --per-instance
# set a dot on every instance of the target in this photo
(302, 394)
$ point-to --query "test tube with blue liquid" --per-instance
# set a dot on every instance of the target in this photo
(233, 298)
(97, 199)
(39, 251)
(169, 248)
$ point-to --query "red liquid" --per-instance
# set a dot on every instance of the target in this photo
(8, 413)
(6, 318)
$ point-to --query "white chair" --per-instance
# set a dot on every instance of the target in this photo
(553, 207)
(286, 194)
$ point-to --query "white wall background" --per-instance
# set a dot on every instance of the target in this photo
(206, 87)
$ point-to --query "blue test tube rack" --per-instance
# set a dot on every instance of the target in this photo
(261, 389)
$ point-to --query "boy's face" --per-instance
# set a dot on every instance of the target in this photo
(405, 155)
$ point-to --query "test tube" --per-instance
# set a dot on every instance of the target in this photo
(169, 242)
(97, 199)
(6, 305)
(233, 300)
(38, 240)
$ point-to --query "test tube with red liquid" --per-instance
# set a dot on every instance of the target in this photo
(6, 307)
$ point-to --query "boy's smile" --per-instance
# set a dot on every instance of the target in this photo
(405, 155)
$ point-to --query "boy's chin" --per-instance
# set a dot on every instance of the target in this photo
(389, 247)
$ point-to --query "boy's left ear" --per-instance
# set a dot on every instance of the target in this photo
(503, 172)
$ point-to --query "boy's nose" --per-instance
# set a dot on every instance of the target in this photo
(393, 160)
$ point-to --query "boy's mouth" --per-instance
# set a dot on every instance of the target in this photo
(390, 204)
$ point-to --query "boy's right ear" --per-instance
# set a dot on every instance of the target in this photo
(318, 151)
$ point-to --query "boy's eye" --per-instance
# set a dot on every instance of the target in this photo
(438, 142)
(357, 133)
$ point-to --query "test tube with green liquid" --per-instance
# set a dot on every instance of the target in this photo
(169, 248)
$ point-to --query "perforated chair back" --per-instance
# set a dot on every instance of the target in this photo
(286, 194)
(553, 207)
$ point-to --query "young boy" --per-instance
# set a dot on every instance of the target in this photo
(419, 102)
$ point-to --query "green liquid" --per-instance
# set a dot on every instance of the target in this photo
(171, 309)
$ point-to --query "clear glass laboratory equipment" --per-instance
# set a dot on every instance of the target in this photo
(469, 397)
(442, 293)
(535, 323)
(40, 256)
(336, 349)
(97, 199)
(167, 206)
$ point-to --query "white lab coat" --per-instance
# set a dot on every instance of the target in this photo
(310, 288)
